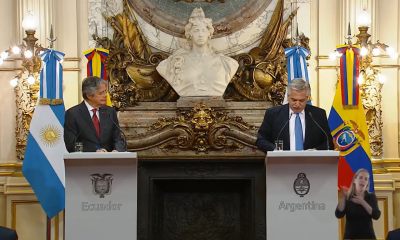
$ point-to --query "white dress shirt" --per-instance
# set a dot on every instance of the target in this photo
(90, 108)
(292, 123)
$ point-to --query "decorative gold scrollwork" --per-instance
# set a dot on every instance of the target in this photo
(26, 98)
(203, 129)
(262, 72)
(131, 65)
(371, 100)
(370, 91)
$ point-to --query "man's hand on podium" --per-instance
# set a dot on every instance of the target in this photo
(104, 150)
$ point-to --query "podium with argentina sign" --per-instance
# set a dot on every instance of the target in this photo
(302, 195)
(100, 196)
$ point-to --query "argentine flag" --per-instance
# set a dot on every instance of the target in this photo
(43, 165)
(296, 65)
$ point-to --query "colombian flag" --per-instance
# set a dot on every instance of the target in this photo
(96, 65)
(347, 120)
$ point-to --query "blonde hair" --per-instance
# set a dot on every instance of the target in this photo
(352, 188)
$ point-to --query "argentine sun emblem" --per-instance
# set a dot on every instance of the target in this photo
(301, 185)
(50, 135)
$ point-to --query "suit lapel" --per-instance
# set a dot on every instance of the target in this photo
(308, 129)
(285, 132)
(83, 110)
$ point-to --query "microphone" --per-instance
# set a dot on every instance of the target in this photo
(326, 135)
(291, 114)
(83, 129)
(125, 144)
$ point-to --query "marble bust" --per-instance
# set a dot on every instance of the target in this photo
(196, 70)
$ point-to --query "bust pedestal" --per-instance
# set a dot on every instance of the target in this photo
(211, 101)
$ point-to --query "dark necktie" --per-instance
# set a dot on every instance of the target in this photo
(96, 122)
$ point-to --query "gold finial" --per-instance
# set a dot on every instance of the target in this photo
(349, 37)
(51, 39)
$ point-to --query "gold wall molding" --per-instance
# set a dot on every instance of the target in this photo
(71, 59)
(327, 67)
(10, 165)
(384, 184)
(327, 57)
(64, 59)
(19, 69)
(396, 183)
(387, 66)
(16, 167)
(56, 226)
(12, 59)
(11, 174)
(71, 69)
(380, 171)
(393, 160)
(378, 66)
(385, 212)
(384, 188)
(378, 161)
(18, 189)
(10, 69)
(14, 211)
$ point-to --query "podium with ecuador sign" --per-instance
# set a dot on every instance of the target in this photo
(100, 196)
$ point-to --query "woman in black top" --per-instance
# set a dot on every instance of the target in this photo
(360, 207)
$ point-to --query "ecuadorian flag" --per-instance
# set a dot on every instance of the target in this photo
(96, 65)
(347, 120)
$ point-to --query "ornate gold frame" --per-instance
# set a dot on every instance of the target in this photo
(132, 65)
(26, 98)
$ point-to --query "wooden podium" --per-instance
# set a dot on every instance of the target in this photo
(100, 196)
(302, 195)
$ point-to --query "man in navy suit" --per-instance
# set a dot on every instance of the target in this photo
(8, 234)
(282, 123)
(92, 122)
(393, 235)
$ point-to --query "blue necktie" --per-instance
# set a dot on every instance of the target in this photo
(298, 133)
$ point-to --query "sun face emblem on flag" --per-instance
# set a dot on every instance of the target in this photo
(348, 137)
(50, 135)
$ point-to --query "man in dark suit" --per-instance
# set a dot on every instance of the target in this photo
(393, 235)
(283, 122)
(92, 122)
(8, 234)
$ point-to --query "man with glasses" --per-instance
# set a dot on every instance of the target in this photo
(91, 123)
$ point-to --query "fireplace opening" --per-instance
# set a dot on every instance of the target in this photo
(202, 209)
(196, 200)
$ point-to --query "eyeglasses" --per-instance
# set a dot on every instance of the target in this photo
(102, 93)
